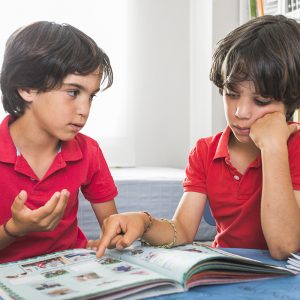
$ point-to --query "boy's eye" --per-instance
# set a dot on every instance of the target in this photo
(262, 101)
(73, 93)
(232, 95)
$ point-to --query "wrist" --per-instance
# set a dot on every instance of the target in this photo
(148, 220)
(10, 229)
(275, 150)
(273, 146)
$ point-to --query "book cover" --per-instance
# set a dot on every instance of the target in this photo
(252, 9)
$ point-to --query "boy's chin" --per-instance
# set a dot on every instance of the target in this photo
(244, 139)
(67, 138)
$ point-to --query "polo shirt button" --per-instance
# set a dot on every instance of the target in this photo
(236, 177)
(32, 179)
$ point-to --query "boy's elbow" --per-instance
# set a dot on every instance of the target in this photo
(279, 254)
(188, 236)
(283, 251)
(189, 239)
(184, 236)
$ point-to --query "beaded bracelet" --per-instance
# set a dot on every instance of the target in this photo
(150, 222)
(166, 246)
(8, 233)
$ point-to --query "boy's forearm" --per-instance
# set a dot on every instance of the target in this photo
(280, 213)
(103, 210)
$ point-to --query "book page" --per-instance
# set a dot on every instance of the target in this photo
(174, 263)
(293, 262)
(195, 264)
(75, 273)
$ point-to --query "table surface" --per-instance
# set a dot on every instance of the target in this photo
(284, 288)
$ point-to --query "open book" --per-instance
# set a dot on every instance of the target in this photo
(293, 262)
(137, 272)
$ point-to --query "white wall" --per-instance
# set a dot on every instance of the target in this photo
(158, 66)
(200, 60)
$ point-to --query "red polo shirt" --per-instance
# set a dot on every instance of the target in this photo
(79, 165)
(234, 198)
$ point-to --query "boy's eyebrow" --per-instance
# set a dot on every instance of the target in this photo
(79, 86)
(231, 89)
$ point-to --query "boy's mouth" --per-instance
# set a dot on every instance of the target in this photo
(76, 126)
(242, 130)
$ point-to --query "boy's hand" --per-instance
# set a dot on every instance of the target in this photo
(45, 218)
(272, 130)
(93, 244)
(121, 230)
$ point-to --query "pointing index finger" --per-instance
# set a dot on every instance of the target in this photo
(112, 231)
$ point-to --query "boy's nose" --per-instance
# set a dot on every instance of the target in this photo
(83, 107)
(243, 111)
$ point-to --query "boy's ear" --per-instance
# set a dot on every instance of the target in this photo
(27, 94)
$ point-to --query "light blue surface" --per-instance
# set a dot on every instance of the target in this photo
(284, 288)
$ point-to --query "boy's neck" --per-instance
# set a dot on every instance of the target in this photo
(241, 154)
(27, 137)
(38, 149)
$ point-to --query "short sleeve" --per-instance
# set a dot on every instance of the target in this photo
(294, 159)
(101, 186)
(195, 180)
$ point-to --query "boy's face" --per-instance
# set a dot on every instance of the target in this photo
(244, 106)
(61, 113)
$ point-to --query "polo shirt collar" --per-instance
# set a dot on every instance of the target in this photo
(8, 151)
(70, 150)
(222, 147)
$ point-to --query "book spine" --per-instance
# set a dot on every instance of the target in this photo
(260, 8)
(252, 9)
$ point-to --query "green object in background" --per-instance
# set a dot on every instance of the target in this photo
(252, 9)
